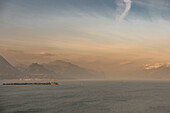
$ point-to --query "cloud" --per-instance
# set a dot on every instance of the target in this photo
(127, 9)
(156, 66)
(46, 54)
(149, 66)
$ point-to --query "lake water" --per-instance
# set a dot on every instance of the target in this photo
(88, 97)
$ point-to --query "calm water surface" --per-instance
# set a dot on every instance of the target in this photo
(87, 97)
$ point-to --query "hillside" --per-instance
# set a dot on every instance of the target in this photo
(7, 71)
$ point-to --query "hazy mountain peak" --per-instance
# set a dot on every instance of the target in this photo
(3, 60)
(7, 70)
(59, 61)
(38, 70)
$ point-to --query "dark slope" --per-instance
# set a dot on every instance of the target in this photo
(7, 71)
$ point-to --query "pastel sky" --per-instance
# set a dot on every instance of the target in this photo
(104, 35)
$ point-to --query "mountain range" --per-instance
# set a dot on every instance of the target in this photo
(58, 69)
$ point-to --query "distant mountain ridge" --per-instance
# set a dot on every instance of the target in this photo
(59, 69)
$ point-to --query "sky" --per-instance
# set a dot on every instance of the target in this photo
(107, 35)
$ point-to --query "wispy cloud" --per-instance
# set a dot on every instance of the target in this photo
(127, 9)
(46, 54)
(155, 66)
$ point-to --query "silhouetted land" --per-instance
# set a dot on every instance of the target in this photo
(49, 83)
